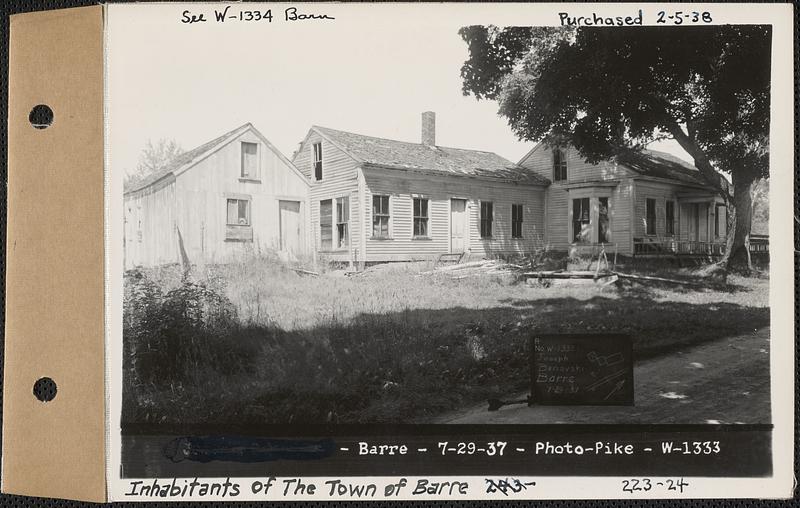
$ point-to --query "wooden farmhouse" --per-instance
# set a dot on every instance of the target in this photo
(650, 204)
(231, 196)
(374, 199)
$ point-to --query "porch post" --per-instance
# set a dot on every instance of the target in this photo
(712, 214)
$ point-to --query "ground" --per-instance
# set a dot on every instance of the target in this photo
(406, 343)
(718, 382)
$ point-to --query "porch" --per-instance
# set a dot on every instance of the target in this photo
(651, 247)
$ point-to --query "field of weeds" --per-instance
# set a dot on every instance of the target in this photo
(257, 343)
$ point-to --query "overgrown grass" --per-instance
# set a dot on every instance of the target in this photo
(256, 343)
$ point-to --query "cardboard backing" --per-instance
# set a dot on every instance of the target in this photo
(54, 278)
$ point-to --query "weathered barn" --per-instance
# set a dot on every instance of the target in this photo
(233, 195)
(646, 204)
(374, 199)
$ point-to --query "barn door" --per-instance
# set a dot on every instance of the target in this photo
(458, 225)
(290, 226)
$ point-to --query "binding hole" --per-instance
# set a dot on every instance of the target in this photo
(41, 116)
(45, 389)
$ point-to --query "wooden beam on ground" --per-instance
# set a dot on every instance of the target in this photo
(305, 272)
(655, 279)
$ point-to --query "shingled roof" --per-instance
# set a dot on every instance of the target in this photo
(184, 159)
(662, 165)
(418, 157)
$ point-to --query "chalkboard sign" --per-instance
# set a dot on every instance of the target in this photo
(582, 369)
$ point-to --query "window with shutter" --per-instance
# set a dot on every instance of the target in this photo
(317, 161)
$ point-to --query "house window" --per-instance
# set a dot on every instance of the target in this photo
(238, 227)
(581, 220)
(516, 221)
(238, 212)
(420, 217)
(342, 222)
(326, 224)
(380, 216)
(249, 160)
(487, 214)
(720, 221)
(670, 213)
(603, 222)
(650, 216)
(317, 161)
(559, 165)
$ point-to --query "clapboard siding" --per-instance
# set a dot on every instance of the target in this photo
(339, 178)
(661, 193)
(149, 226)
(621, 220)
(402, 187)
(580, 175)
(540, 160)
(203, 191)
(501, 242)
(195, 205)
(559, 202)
(557, 229)
(619, 207)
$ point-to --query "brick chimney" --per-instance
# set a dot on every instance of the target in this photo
(429, 128)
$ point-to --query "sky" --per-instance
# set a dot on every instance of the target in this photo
(362, 73)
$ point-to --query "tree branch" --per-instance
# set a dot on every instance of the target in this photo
(701, 161)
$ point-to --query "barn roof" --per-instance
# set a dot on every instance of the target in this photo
(186, 159)
(405, 156)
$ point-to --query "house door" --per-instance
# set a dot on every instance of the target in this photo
(458, 225)
(696, 221)
(702, 222)
(290, 226)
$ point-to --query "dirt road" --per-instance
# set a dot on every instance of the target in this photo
(725, 381)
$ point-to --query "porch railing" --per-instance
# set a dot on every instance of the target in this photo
(759, 244)
(672, 246)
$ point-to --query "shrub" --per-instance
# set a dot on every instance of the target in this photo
(169, 336)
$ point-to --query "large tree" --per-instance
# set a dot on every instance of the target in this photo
(611, 92)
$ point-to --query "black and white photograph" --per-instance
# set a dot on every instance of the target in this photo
(339, 231)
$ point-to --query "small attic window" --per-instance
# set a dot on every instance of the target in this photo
(317, 161)
(559, 165)
(249, 160)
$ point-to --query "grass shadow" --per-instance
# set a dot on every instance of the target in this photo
(405, 365)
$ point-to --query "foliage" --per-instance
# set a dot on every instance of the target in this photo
(608, 91)
(760, 198)
(390, 345)
(611, 92)
(168, 334)
(154, 157)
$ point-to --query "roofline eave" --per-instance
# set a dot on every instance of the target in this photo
(317, 129)
(233, 135)
(130, 193)
(527, 155)
(674, 182)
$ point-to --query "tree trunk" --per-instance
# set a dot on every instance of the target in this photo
(740, 217)
(739, 205)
